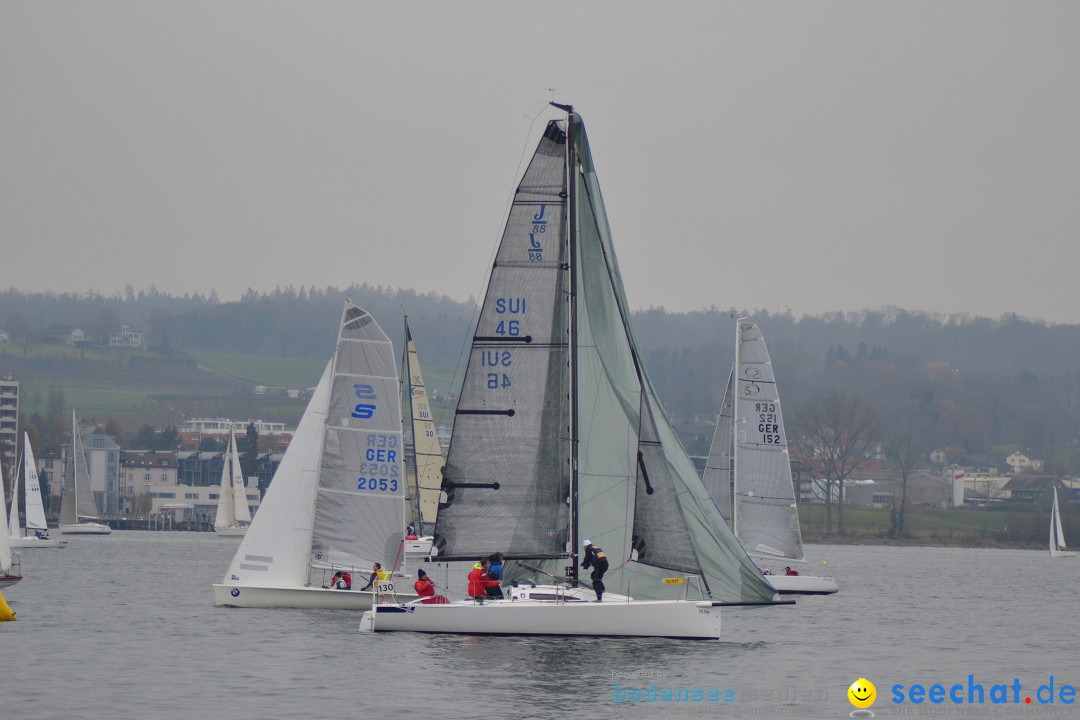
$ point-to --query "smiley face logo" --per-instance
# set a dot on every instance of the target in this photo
(862, 693)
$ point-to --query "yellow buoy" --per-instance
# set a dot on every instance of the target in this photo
(6, 613)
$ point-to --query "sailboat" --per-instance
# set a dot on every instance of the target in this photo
(37, 530)
(337, 501)
(233, 516)
(426, 455)
(10, 570)
(1057, 535)
(748, 473)
(559, 437)
(78, 510)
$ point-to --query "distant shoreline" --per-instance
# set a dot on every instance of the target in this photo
(960, 542)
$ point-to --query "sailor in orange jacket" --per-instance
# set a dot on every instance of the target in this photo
(480, 581)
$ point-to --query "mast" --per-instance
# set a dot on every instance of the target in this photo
(571, 234)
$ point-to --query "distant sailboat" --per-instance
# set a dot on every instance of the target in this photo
(1057, 535)
(748, 473)
(427, 458)
(10, 572)
(78, 510)
(233, 516)
(37, 529)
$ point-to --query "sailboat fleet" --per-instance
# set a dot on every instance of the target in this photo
(558, 437)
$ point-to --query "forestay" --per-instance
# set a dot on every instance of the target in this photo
(717, 475)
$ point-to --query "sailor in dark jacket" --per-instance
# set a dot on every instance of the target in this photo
(595, 558)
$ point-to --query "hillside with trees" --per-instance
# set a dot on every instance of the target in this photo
(973, 384)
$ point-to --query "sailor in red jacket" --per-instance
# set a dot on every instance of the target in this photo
(480, 581)
(425, 590)
(424, 586)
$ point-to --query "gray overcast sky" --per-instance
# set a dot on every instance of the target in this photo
(808, 155)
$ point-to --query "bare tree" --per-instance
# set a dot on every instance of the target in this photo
(902, 451)
(834, 433)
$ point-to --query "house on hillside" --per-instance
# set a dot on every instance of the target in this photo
(126, 336)
(1035, 488)
(72, 335)
(1024, 462)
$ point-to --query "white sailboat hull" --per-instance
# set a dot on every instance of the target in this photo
(1062, 553)
(231, 531)
(803, 584)
(35, 542)
(88, 528)
(683, 619)
(420, 547)
(7, 581)
(308, 598)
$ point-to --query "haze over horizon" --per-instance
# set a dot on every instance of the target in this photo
(818, 157)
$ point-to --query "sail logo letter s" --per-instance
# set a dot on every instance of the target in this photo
(364, 411)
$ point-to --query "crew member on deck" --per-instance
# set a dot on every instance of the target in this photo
(480, 581)
(597, 559)
(377, 573)
(342, 580)
(425, 590)
(495, 571)
(789, 571)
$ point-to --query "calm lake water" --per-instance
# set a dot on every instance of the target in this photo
(125, 627)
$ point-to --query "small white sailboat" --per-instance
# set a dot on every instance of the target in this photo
(748, 473)
(337, 501)
(79, 513)
(1057, 535)
(10, 570)
(37, 529)
(426, 455)
(558, 432)
(233, 515)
